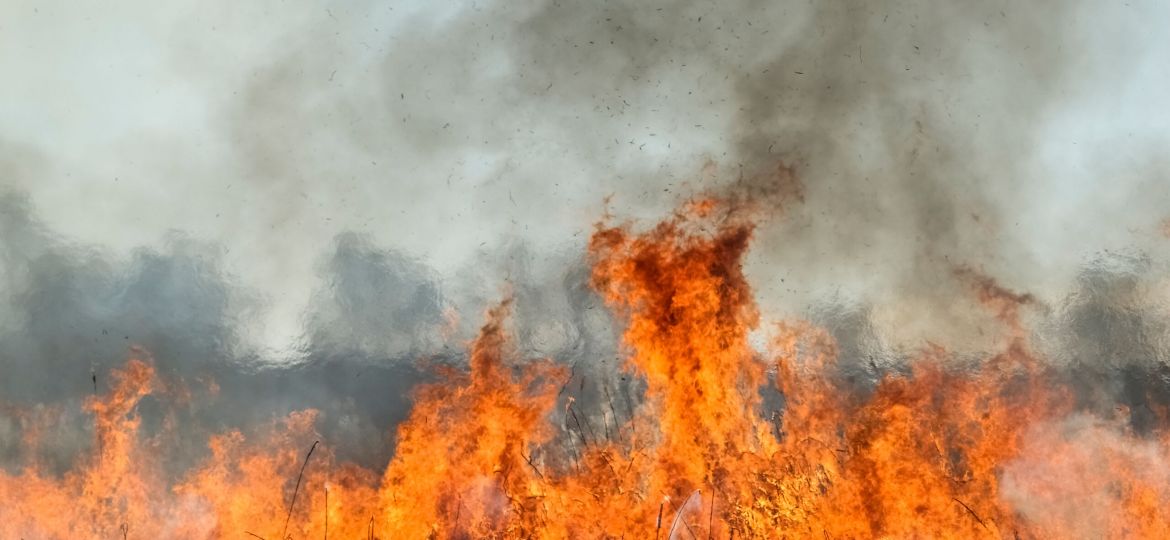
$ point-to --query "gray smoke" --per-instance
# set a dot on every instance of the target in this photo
(74, 314)
(1019, 140)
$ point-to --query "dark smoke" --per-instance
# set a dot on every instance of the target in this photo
(74, 314)
(915, 129)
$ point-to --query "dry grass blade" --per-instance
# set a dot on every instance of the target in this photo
(296, 489)
(678, 517)
(972, 512)
(711, 517)
(658, 528)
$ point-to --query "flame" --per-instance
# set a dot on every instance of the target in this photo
(940, 449)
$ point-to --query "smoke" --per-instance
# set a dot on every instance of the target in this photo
(73, 313)
(300, 202)
(1051, 492)
(918, 129)
(376, 303)
(926, 135)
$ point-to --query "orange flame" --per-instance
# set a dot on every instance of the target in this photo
(933, 451)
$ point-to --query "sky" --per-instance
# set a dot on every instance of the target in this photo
(1022, 140)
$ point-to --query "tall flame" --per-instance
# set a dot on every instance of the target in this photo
(938, 450)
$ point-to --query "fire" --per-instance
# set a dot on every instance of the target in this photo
(939, 449)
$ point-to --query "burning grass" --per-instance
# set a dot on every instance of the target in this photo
(997, 451)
